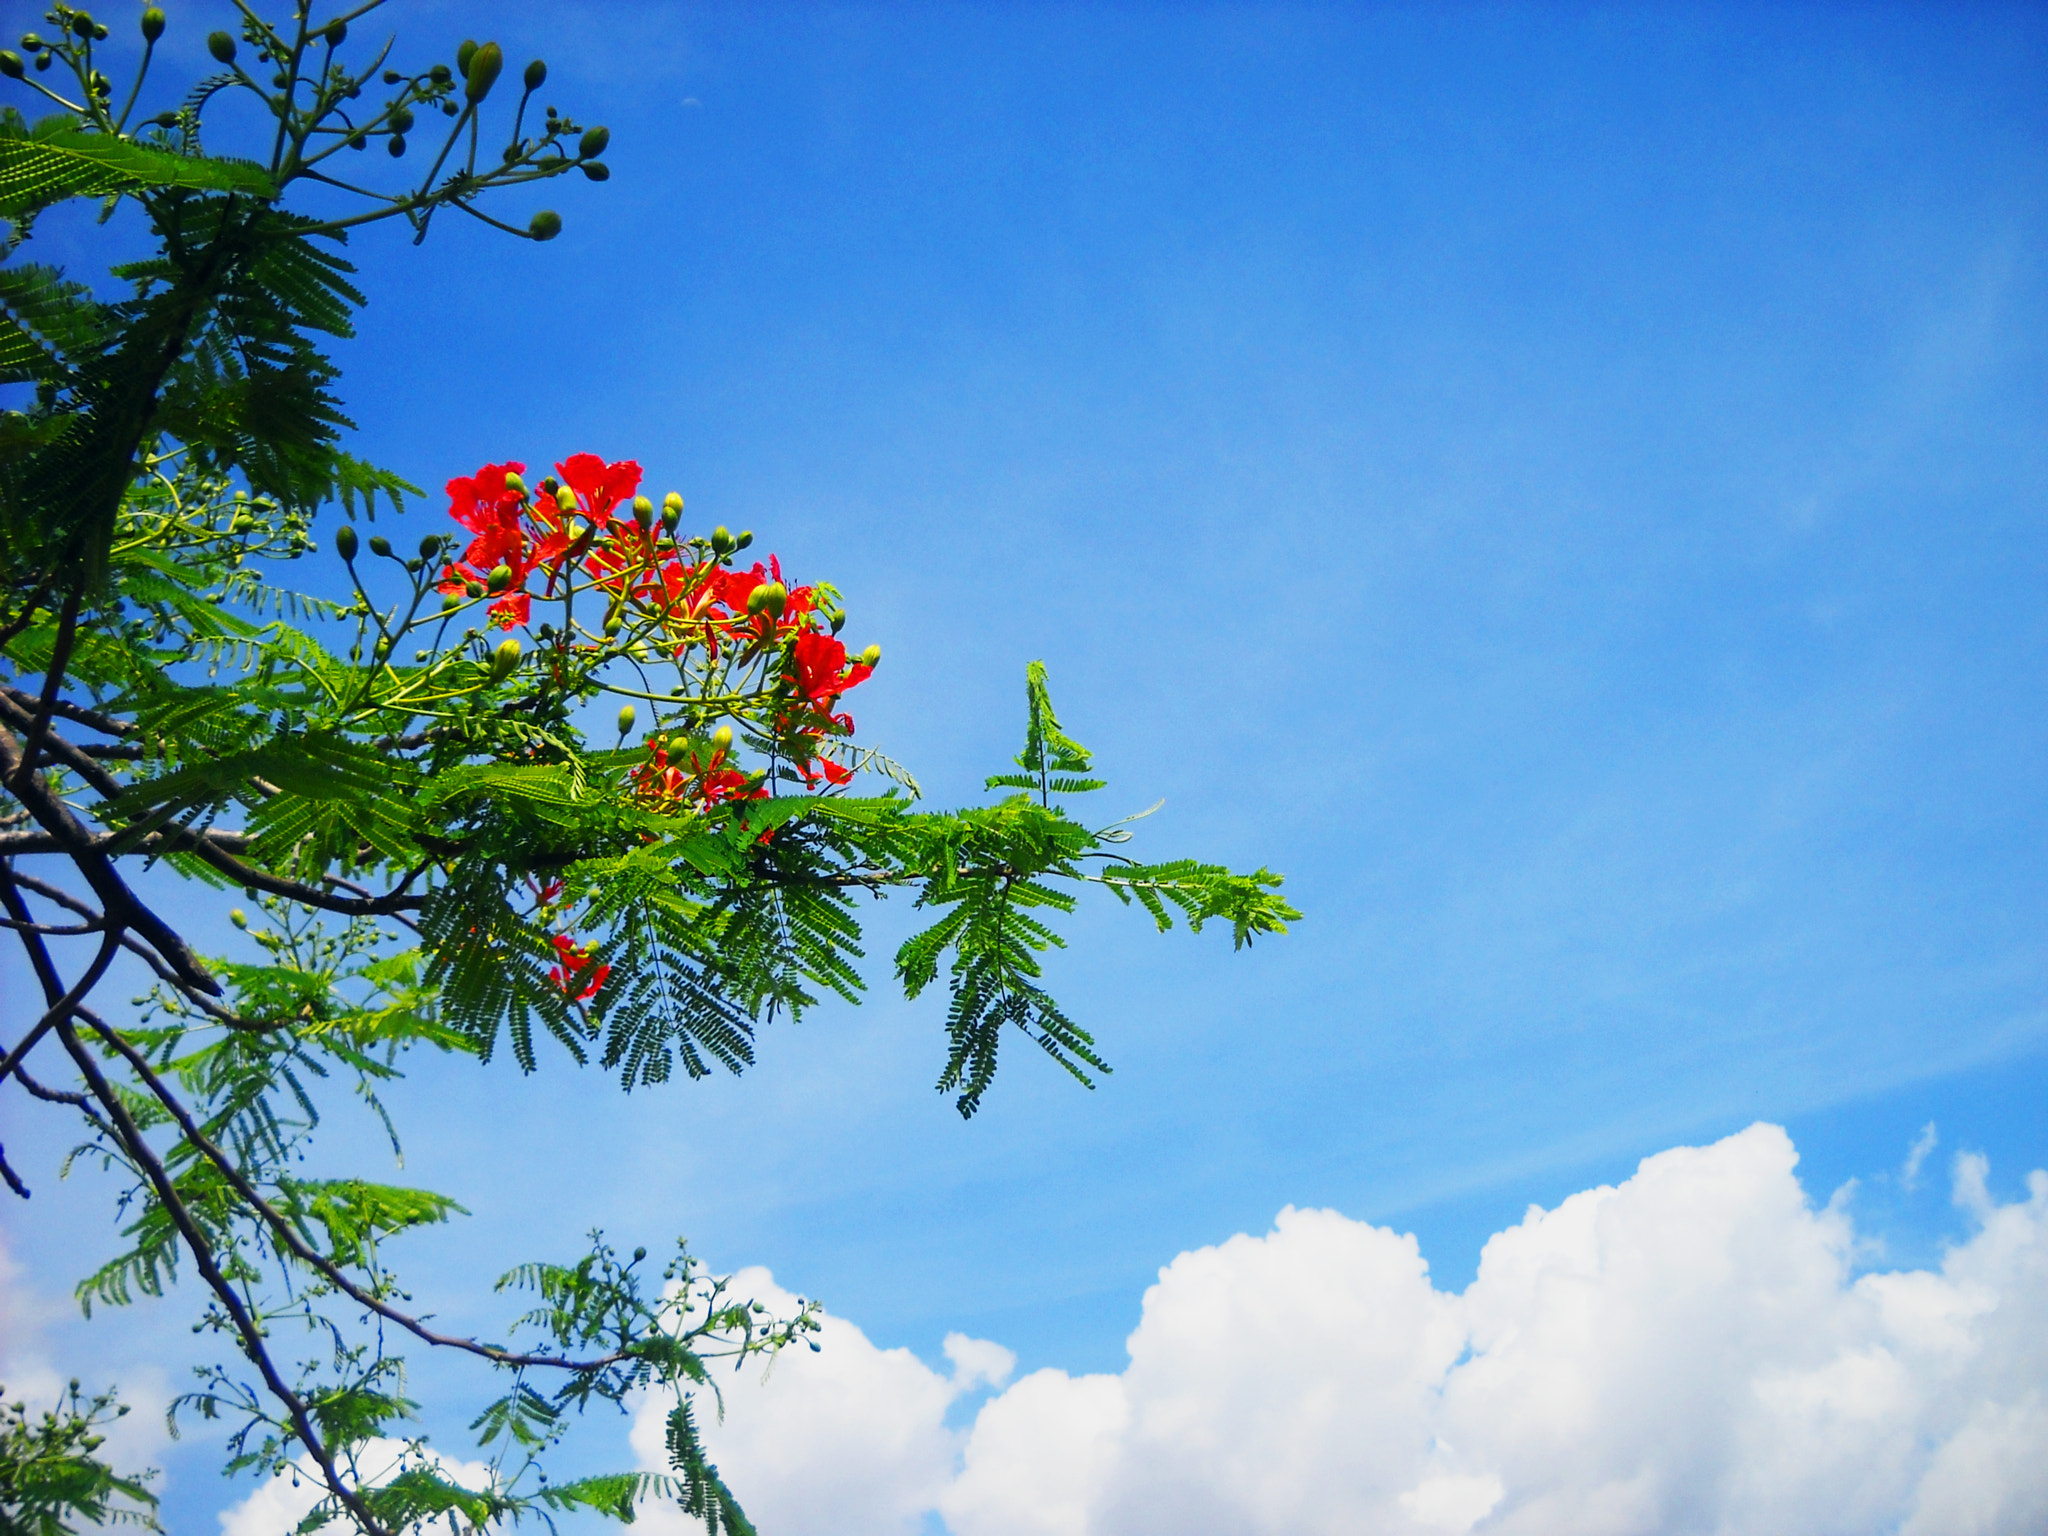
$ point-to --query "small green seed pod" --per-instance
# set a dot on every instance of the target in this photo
(482, 72)
(545, 225)
(536, 74)
(379, 545)
(625, 718)
(592, 144)
(152, 24)
(345, 542)
(222, 46)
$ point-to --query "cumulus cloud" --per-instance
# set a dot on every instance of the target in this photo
(1688, 1351)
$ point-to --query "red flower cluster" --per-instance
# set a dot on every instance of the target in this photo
(675, 595)
(691, 777)
(580, 973)
(528, 536)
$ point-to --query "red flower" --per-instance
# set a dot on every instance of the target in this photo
(579, 975)
(599, 486)
(821, 670)
(822, 770)
(492, 513)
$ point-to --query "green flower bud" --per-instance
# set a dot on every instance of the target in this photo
(482, 71)
(345, 541)
(838, 620)
(464, 55)
(430, 546)
(871, 657)
(474, 588)
(771, 597)
(504, 659)
(746, 537)
(440, 74)
(596, 170)
(239, 918)
(450, 600)
(593, 142)
(721, 739)
(721, 540)
(337, 33)
(222, 46)
(355, 140)
(536, 74)
(643, 511)
(396, 145)
(670, 516)
(565, 499)
(500, 577)
(152, 24)
(43, 59)
(379, 545)
(625, 718)
(639, 1254)
(514, 482)
(382, 648)
(11, 65)
(82, 23)
(545, 225)
(672, 502)
(402, 120)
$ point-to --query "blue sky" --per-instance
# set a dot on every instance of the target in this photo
(1565, 485)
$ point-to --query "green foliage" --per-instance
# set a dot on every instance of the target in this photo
(52, 1483)
(427, 797)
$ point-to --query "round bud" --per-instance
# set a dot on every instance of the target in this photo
(551, 485)
(514, 482)
(500, 578)
(871, 657)
(643, 511)
(565, 499)
(239, 918)
(221, 46)
(345, 541)
(746, 537)
(440, 74)
(721, 539)
(673, 501)
(336, 33)
(639, 1254)
(379, 545)
(463, 55)
(430, 546)
(355, 140)
(402, 120)
(592, 144)
(11, 65)
(838, 620)
(43, 59)
(536, 74)
(396, 145)
(392, 77)
(99, 32)
(596, 170)
(451, 600)
(721, 739)
(82, 23)
(670, 516)
(482, 71)
(771, 597)
(504, 659)
(31, 41)
(152, 23)
(164, 120)
(545, 225)
(382, 648)
(625, 718)
(473, 588)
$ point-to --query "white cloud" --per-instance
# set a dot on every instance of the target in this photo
(1916, 1155)
(281, 1503)
(1685, 1352)
(851, 1439)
